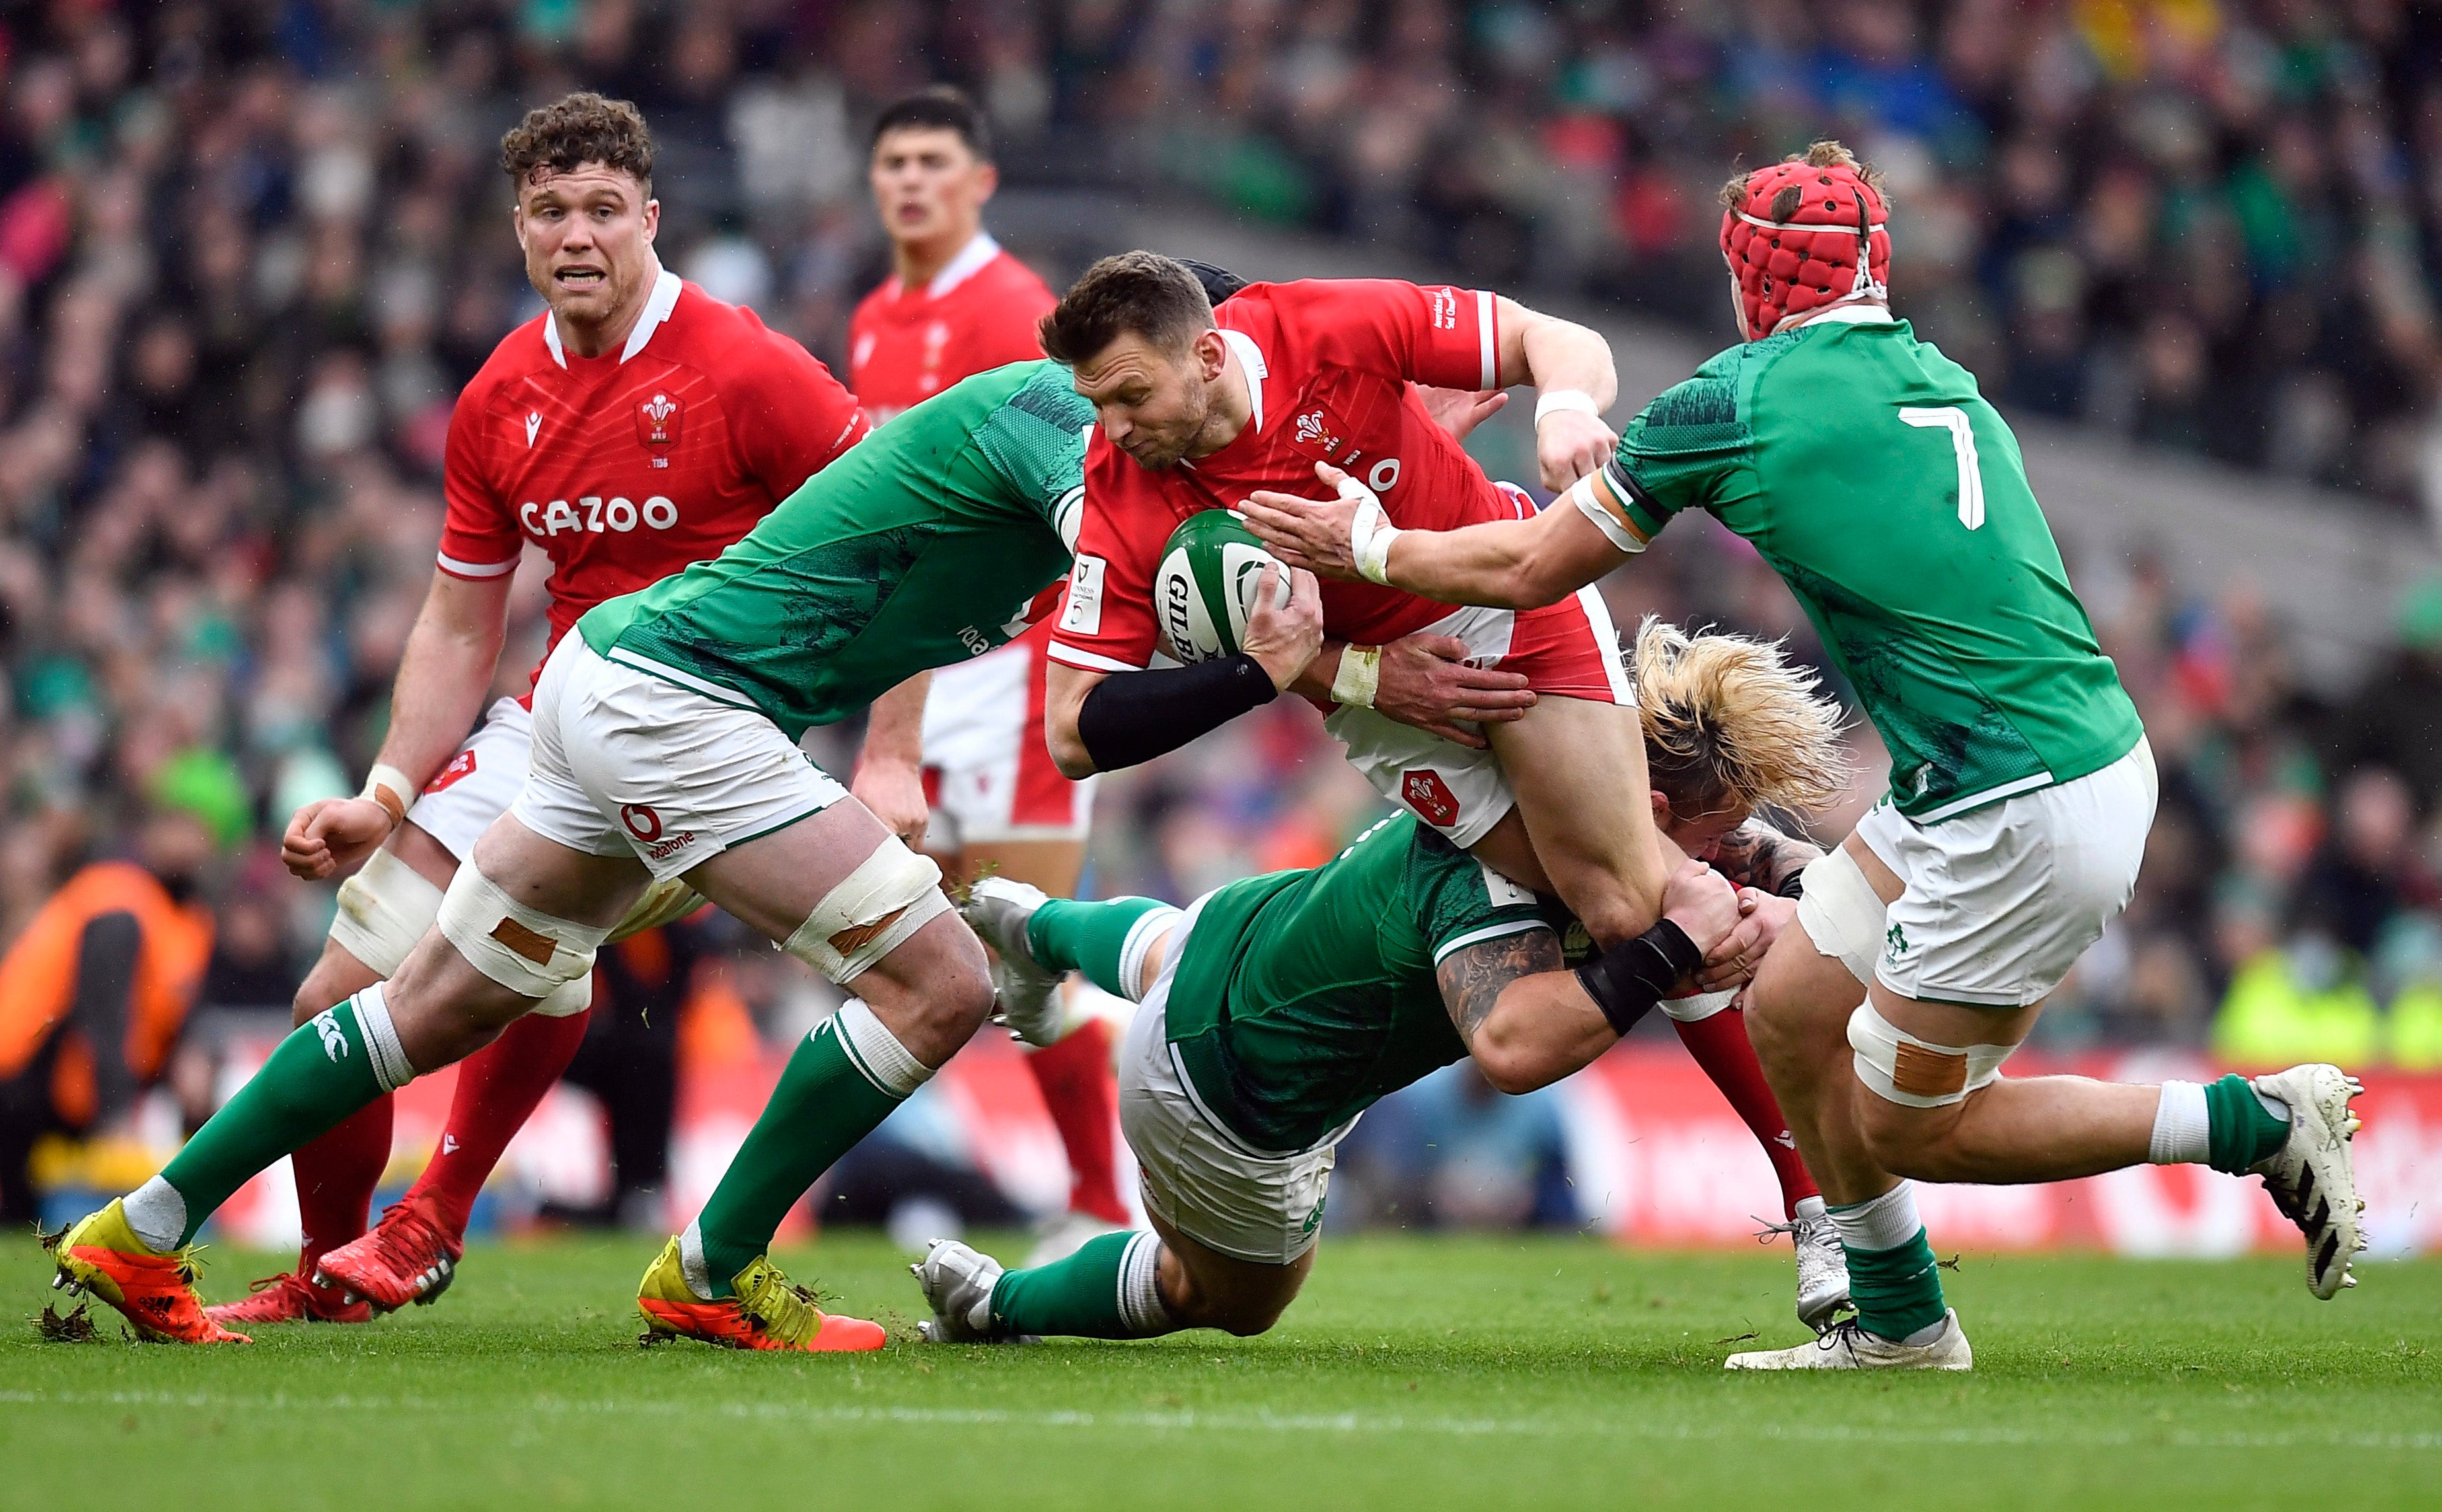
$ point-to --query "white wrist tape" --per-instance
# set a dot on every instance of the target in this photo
(1369, 532)
(387, 786)
(892, 893)
(1576, 400)
(523, 949)
(1842, 914)
(1359, 677)
(1899, 1067)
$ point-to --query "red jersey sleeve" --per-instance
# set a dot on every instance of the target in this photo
(787, 416)
(1107, 623)
(1437, 334)
(479, 536)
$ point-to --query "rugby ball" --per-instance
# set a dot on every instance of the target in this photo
(1206, 585)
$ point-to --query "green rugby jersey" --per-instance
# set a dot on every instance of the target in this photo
(1865, 467)
(1302, 997)
(922, 546)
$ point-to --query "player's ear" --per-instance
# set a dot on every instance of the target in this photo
(987, 182)
(1212, 353)
(652, 219)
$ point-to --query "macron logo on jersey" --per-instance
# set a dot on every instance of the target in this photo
(533, 423)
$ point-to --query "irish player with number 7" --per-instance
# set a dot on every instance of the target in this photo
(1868, 470)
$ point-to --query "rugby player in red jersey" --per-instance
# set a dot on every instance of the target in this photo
(1203, 407)
(962, 766)
(635, 426)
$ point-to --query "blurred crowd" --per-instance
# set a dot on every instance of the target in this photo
(250, 253)
(2211, 224)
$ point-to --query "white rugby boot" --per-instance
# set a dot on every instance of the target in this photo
(2313, 1178)
(1822, 1264)
(958, 1282)
(1849, 1347)
(1028, 995)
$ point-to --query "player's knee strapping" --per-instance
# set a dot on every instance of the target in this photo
(1842, 913)
(1900, 1067)
(384, 909)
(892, 894)
(525, 950)
(387, 906)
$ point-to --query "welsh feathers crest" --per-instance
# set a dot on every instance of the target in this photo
(657, 420)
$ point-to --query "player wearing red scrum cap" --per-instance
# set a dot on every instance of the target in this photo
(1869, 472)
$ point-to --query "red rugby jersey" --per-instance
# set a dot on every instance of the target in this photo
(629, 467)
(1328, 363)
(979, 312)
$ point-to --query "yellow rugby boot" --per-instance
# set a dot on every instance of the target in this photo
(764, 1310)
(156, 1292)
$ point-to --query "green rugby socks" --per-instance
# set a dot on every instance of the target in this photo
(1106, 941)
(329, 1066)
(841, 1082)
(1110, 1288)
(1893, 1279)
(2225, 1124)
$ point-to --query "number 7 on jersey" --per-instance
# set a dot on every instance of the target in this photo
(1962, 440)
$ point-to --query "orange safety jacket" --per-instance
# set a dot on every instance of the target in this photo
(38, 978)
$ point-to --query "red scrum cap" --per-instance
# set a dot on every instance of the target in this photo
(1802, 234)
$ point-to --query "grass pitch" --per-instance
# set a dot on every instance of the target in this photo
(1417, 1373)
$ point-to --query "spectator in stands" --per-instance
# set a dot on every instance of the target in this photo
(94, 993)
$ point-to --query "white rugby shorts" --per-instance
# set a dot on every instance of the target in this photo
(1568, 650)
(627, 763)
(1196, 1176)
(988, 774)
(2000, 901)
(479, 783)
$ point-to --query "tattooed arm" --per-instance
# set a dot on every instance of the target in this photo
(1756, 855)
(1524, 1018)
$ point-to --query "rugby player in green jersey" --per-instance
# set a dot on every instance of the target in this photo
(1276, 1010)
(1868, 470)
(666, 733)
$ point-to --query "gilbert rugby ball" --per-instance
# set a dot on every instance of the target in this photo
(1206, 585)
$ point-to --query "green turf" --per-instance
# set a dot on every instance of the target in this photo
(1417, 1372)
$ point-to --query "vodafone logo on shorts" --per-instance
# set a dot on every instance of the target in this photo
(1425, 791)
(643, 823)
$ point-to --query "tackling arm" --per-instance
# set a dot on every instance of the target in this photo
(1527, 1020)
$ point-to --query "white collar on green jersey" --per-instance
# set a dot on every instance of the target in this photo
(1250, 358)
(663, 299)
(1850, 315)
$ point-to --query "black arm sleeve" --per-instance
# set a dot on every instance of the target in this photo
(1628, 979)
(105, 989)
(1131, 718)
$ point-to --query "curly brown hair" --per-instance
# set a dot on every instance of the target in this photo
(575, 130)
(1825, 153)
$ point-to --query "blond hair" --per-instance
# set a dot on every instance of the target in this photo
(1730, 724)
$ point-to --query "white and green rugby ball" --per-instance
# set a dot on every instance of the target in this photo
(1206, 585)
